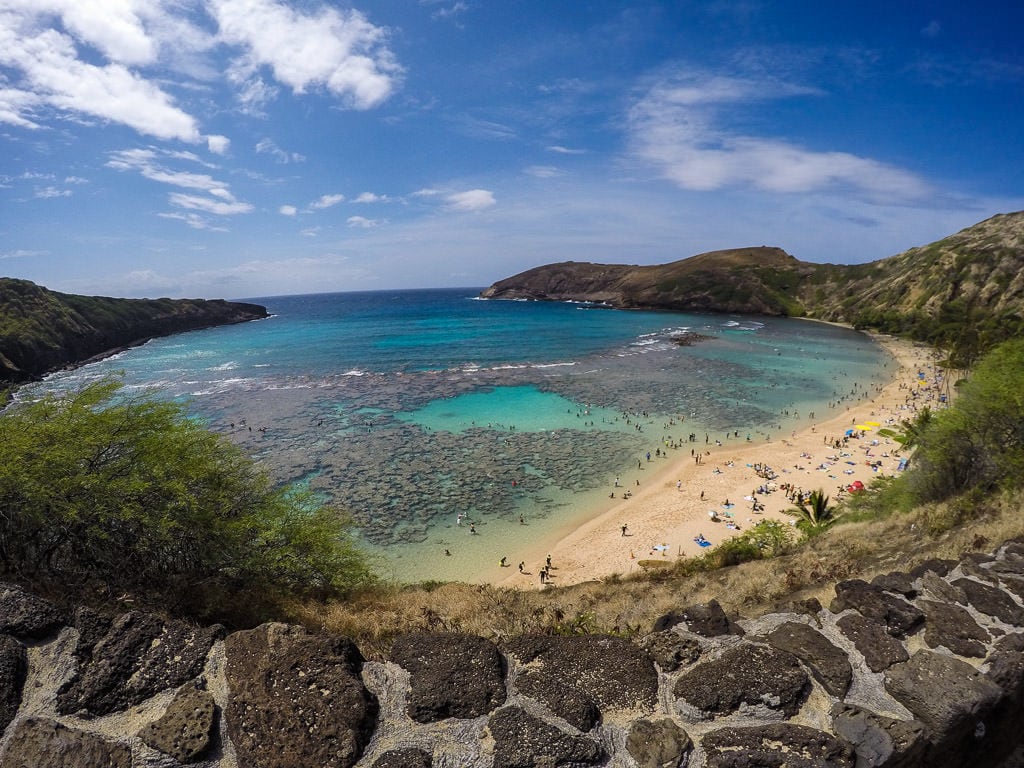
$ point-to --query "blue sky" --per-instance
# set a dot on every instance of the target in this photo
(237, 148)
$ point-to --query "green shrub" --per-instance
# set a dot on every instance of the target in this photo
(126, 492)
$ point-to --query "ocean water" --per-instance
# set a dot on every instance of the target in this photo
(420, 413)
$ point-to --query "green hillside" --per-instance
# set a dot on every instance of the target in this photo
(964, 293)
(42, 330)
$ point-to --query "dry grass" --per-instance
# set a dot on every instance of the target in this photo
(631, 605)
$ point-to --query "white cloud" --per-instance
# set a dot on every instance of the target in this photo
(75, 180)
(22, 253)
(334, 49)
(361, 222)
(218, 200)
(288, 210)
(310, 231)
(370, 197)
(543, 171)
(426, 192)
(47, 65)
(194, 220)
(470, 200)
(566, 150)
(218, 144)
(932, 29)
(268, 147)
(326, 201)
(218, 207)
(50, 192)
(147, 163)
(677, 127)
(14, 103)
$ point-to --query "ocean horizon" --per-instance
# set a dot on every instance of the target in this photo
(453, 428)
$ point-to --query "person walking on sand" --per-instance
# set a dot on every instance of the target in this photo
(625, 526)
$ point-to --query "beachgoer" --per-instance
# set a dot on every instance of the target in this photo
(624, 527)
(472, 528)
(522, 565)
(503, 564)
(547, 562)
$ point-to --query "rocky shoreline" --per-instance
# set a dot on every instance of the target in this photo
(916, 668)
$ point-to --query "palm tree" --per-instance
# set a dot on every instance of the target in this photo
(815, 514)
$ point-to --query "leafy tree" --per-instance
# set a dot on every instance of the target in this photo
(911, 429)
(978, 443)
(128, 492)
(814, 514)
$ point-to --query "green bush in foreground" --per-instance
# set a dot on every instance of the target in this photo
(128, 493)
(978, 444)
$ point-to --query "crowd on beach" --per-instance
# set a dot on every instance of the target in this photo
(843, 459)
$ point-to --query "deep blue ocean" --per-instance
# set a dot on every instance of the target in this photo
(407, 409)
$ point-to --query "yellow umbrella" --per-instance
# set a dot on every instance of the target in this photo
(863, 427)
(874, 423)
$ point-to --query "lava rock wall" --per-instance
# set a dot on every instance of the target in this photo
(923, 668)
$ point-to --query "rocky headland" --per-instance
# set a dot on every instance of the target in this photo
(966, 290)
(915, 668)
(42, 330)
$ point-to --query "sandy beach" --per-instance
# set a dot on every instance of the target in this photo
(676, 495)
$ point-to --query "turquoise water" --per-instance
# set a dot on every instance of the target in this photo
(406, 409)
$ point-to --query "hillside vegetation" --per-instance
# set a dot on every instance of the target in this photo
(964, 293)
(42, 330)
(103, 494)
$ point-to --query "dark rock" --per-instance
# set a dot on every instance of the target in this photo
(613, 672)
(936, 566)
(953, 627)
(409, 757)
(779, 745)
(829, 665)
(92, 627)
(657, 743)
(13, 669)
(951, 698)
(976, 558)
(40, 743)
(704, 619)
(296, 699)
(139, 656)
(567, 701)
(900, 583)
(451, 675)
(810, 606)
(524, 741)
(879, 649)
(880, 742)
(747, 674)
(23, 614)
(992, 601)
(185, 730)
(1014, 548)
(1016, 586)
(1006, 669)
(670, 650)
(1006, 664)
(895, 614)
(942, 589)
(1009, 563)
(967, 568)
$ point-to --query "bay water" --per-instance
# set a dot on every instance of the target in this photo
(455, 430)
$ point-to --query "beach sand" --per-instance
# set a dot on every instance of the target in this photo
(667, 511)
